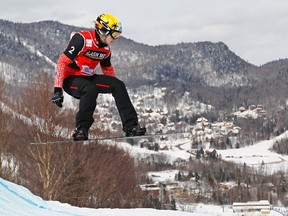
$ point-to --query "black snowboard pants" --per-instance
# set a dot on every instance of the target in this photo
(87, 89)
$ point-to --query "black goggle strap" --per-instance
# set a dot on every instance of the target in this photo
(101, 24)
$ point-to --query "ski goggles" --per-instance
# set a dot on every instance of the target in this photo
(115, 34)
(106, 30)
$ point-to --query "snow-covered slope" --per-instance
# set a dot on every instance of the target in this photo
(16, 200)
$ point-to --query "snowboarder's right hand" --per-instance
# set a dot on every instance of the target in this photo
(58, 97)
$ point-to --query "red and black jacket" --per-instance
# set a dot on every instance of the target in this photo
(83, 53)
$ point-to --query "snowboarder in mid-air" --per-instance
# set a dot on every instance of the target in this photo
(76, 74)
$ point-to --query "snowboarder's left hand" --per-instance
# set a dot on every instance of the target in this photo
(58, 97)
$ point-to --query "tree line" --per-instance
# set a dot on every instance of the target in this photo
(98, 175)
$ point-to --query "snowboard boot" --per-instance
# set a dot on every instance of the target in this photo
(80, 134)
(135, 131)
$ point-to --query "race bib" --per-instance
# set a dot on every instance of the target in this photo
(87, 70)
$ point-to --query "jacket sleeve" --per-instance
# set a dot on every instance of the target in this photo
(106, 67)
(67, 58)
(108, 71)
(62, 63)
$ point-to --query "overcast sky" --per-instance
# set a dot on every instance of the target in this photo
(256, 30)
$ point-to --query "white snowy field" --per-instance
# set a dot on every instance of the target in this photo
(259, 155)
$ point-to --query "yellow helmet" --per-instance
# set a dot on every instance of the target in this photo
(108, 24)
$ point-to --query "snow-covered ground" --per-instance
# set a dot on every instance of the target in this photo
(174, 145)
(16, 200)
(259, 155)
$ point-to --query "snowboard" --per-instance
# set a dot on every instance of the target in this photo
(120, 138)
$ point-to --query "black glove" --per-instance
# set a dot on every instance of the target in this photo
(58, 97)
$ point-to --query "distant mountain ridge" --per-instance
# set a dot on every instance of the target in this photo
(202, 62)
(29, 49)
